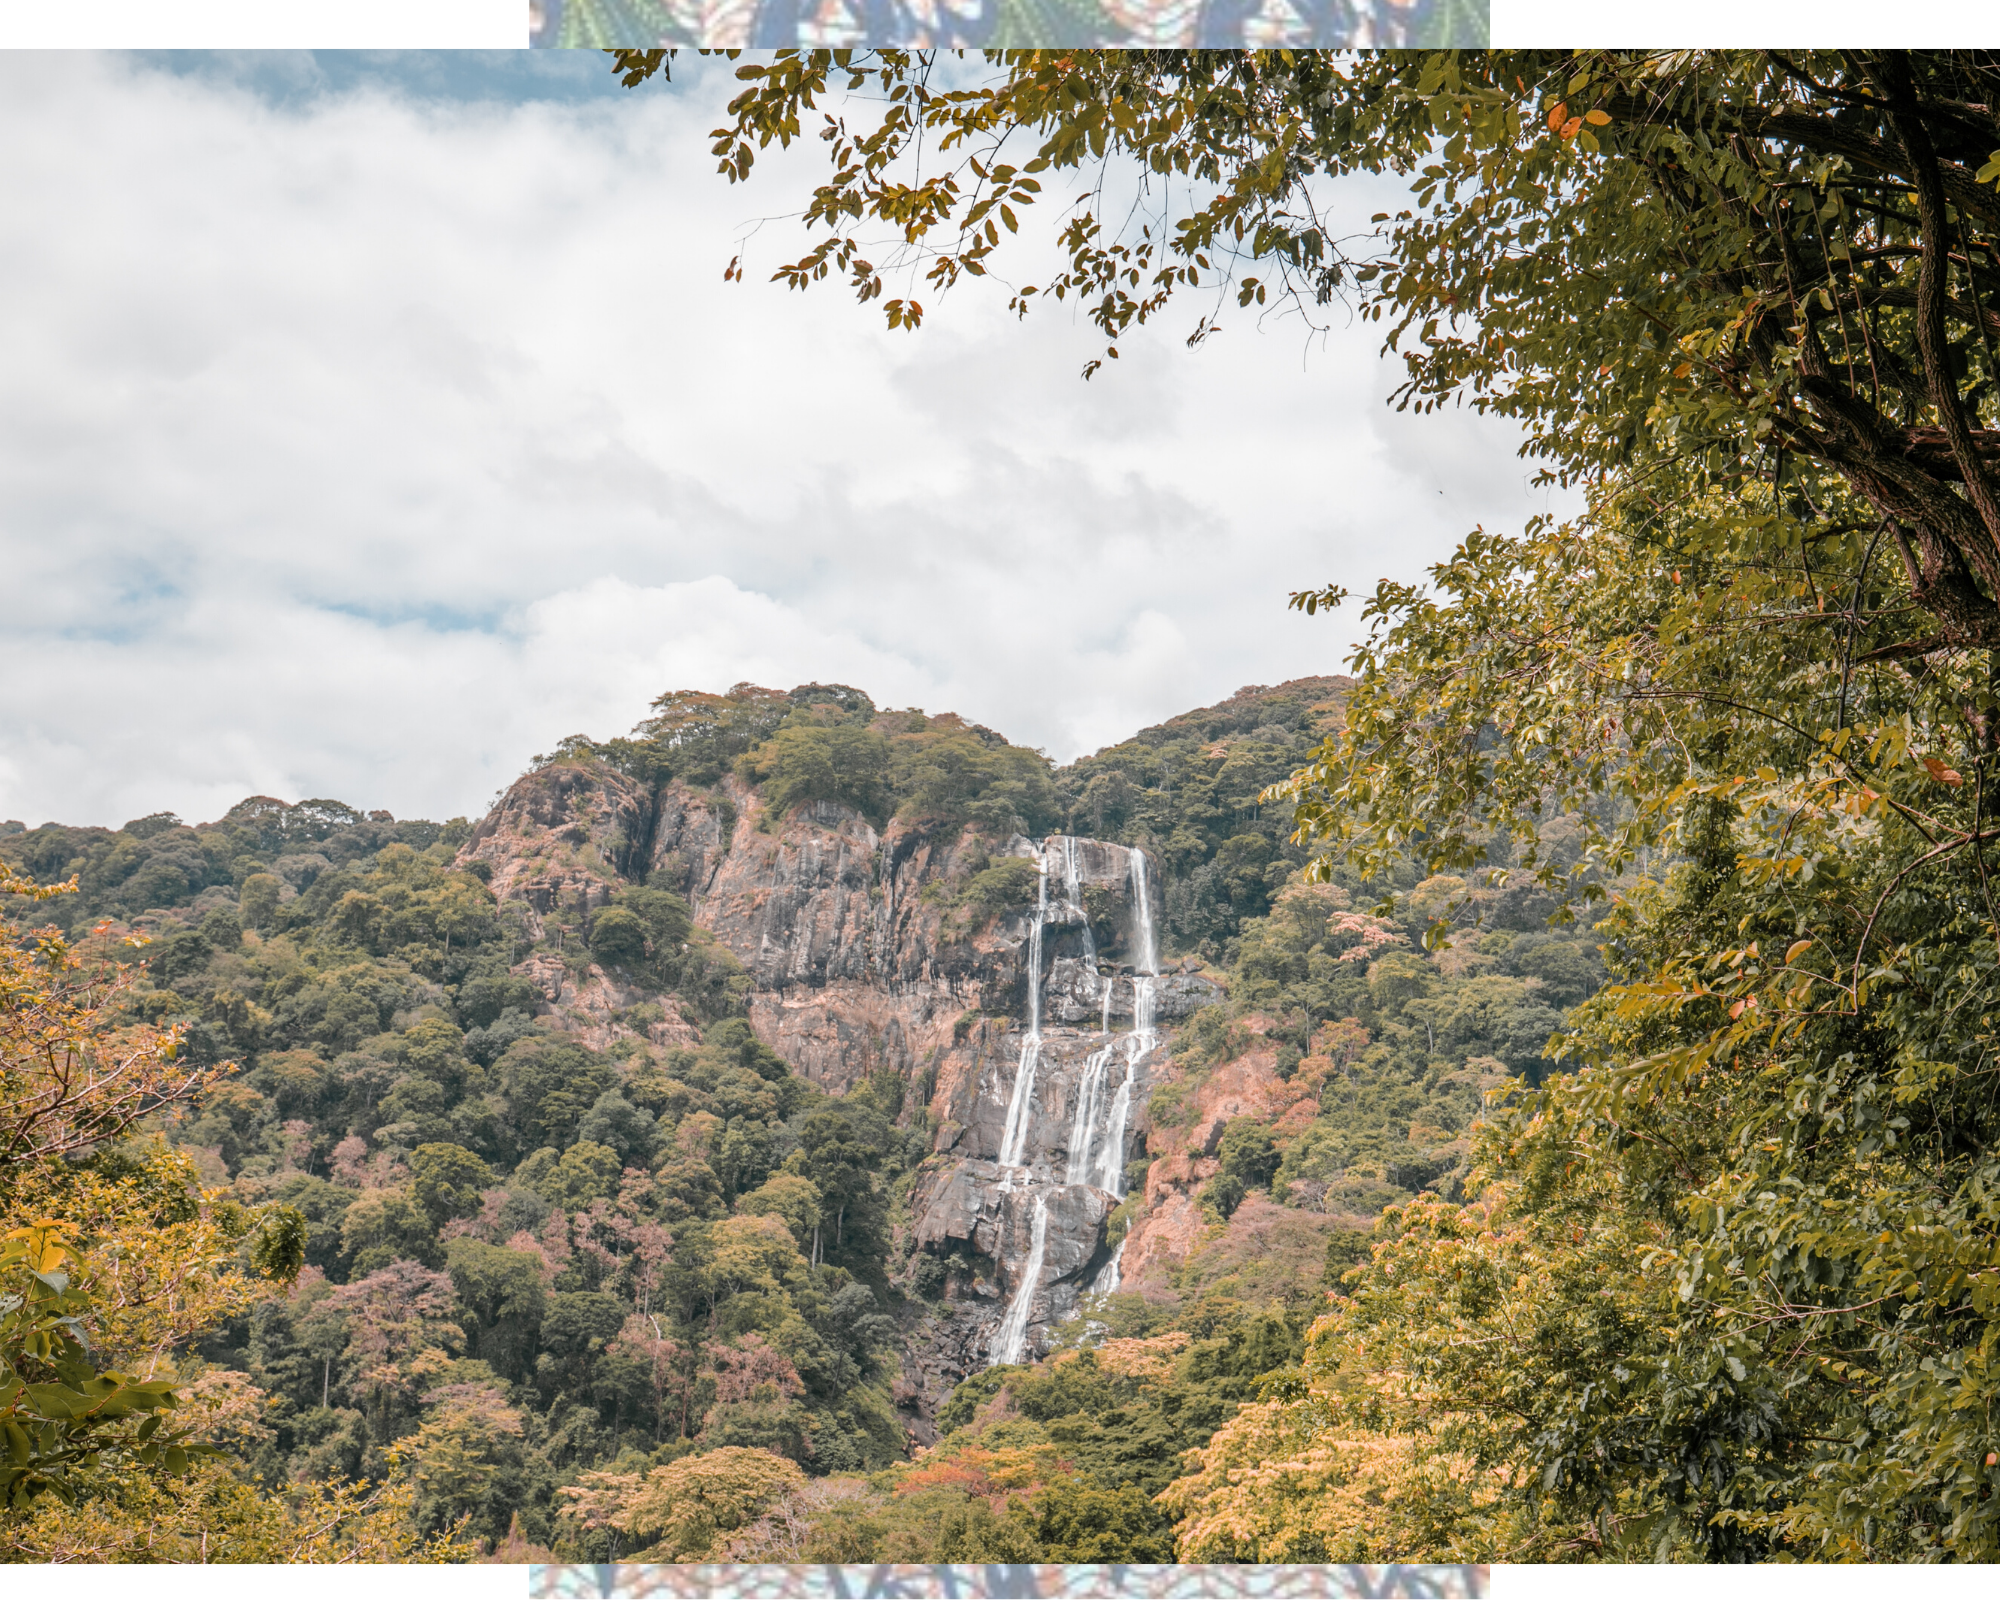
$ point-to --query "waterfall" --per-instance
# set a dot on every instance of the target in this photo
(1011, 1337)
(1073, 896)
(1021, 1107)
(1108, 1277)
(1110, 1172)
(1035, 945)
(1089, 1104)
(1143, 1036)
(1142, 906)
(1100, 1120)
(1111, 1169)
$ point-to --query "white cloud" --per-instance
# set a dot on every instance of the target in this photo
(362, 446)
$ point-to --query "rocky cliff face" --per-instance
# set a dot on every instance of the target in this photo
(1029, 1033)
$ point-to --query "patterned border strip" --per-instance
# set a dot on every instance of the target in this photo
(639, 1581)
(1008, 24)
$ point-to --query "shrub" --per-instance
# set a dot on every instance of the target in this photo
(846, 765)
(1009, 885)
(618, 937)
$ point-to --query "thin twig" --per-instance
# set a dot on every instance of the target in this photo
(1894, 883)
(1854, 624)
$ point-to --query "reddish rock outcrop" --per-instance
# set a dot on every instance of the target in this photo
(560, 840)
(1171, 1224)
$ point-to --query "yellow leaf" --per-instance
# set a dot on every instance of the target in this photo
(1797, 950)
(1597, 119)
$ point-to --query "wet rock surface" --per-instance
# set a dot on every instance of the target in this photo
(1076, 993)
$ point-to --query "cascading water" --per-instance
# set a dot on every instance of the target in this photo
(1143, 1037)
(1101, 1117)
(1111, 1164)
(1142, 912)
(1020, 1108)
(1090, 1098)
(1111, 1170)
(1108, 1278)
(1010, 1339)
(1073, 897)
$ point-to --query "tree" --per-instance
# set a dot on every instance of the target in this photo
(669, 1367)
(387, 1226)
(752, 1254)
(680, 1510)
(549, 1085)
(468, 1460)
(787, 1196)
(398, 1335)
(1249, 1161)
(75, 1072)
(582, 1173)
(838, 1153)
(615, 1124)
(1267, 1488)
(848, 766)
(447, 1181)
(207, 1515)
(618, 937)
(65, 1420)
(1569, 207)
(117, 1257)
(503, 1292)
(258, 899)
(1746, 300)
(1597, 232)
(1083, 1523)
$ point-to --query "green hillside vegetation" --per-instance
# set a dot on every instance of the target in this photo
(523, 1257)
(1398, 1043)
(1062, 1461)
(529, 1265)
(829, 742)
(1397, 1046)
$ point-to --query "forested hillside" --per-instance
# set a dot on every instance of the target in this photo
(555, 1273)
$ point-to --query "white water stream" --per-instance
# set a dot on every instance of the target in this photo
(1111, 1165)
(1021, 1107)
(1073, 898)
(1010, 1339)
(1091, 1105)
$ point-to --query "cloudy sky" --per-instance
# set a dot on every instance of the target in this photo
(372, 423)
